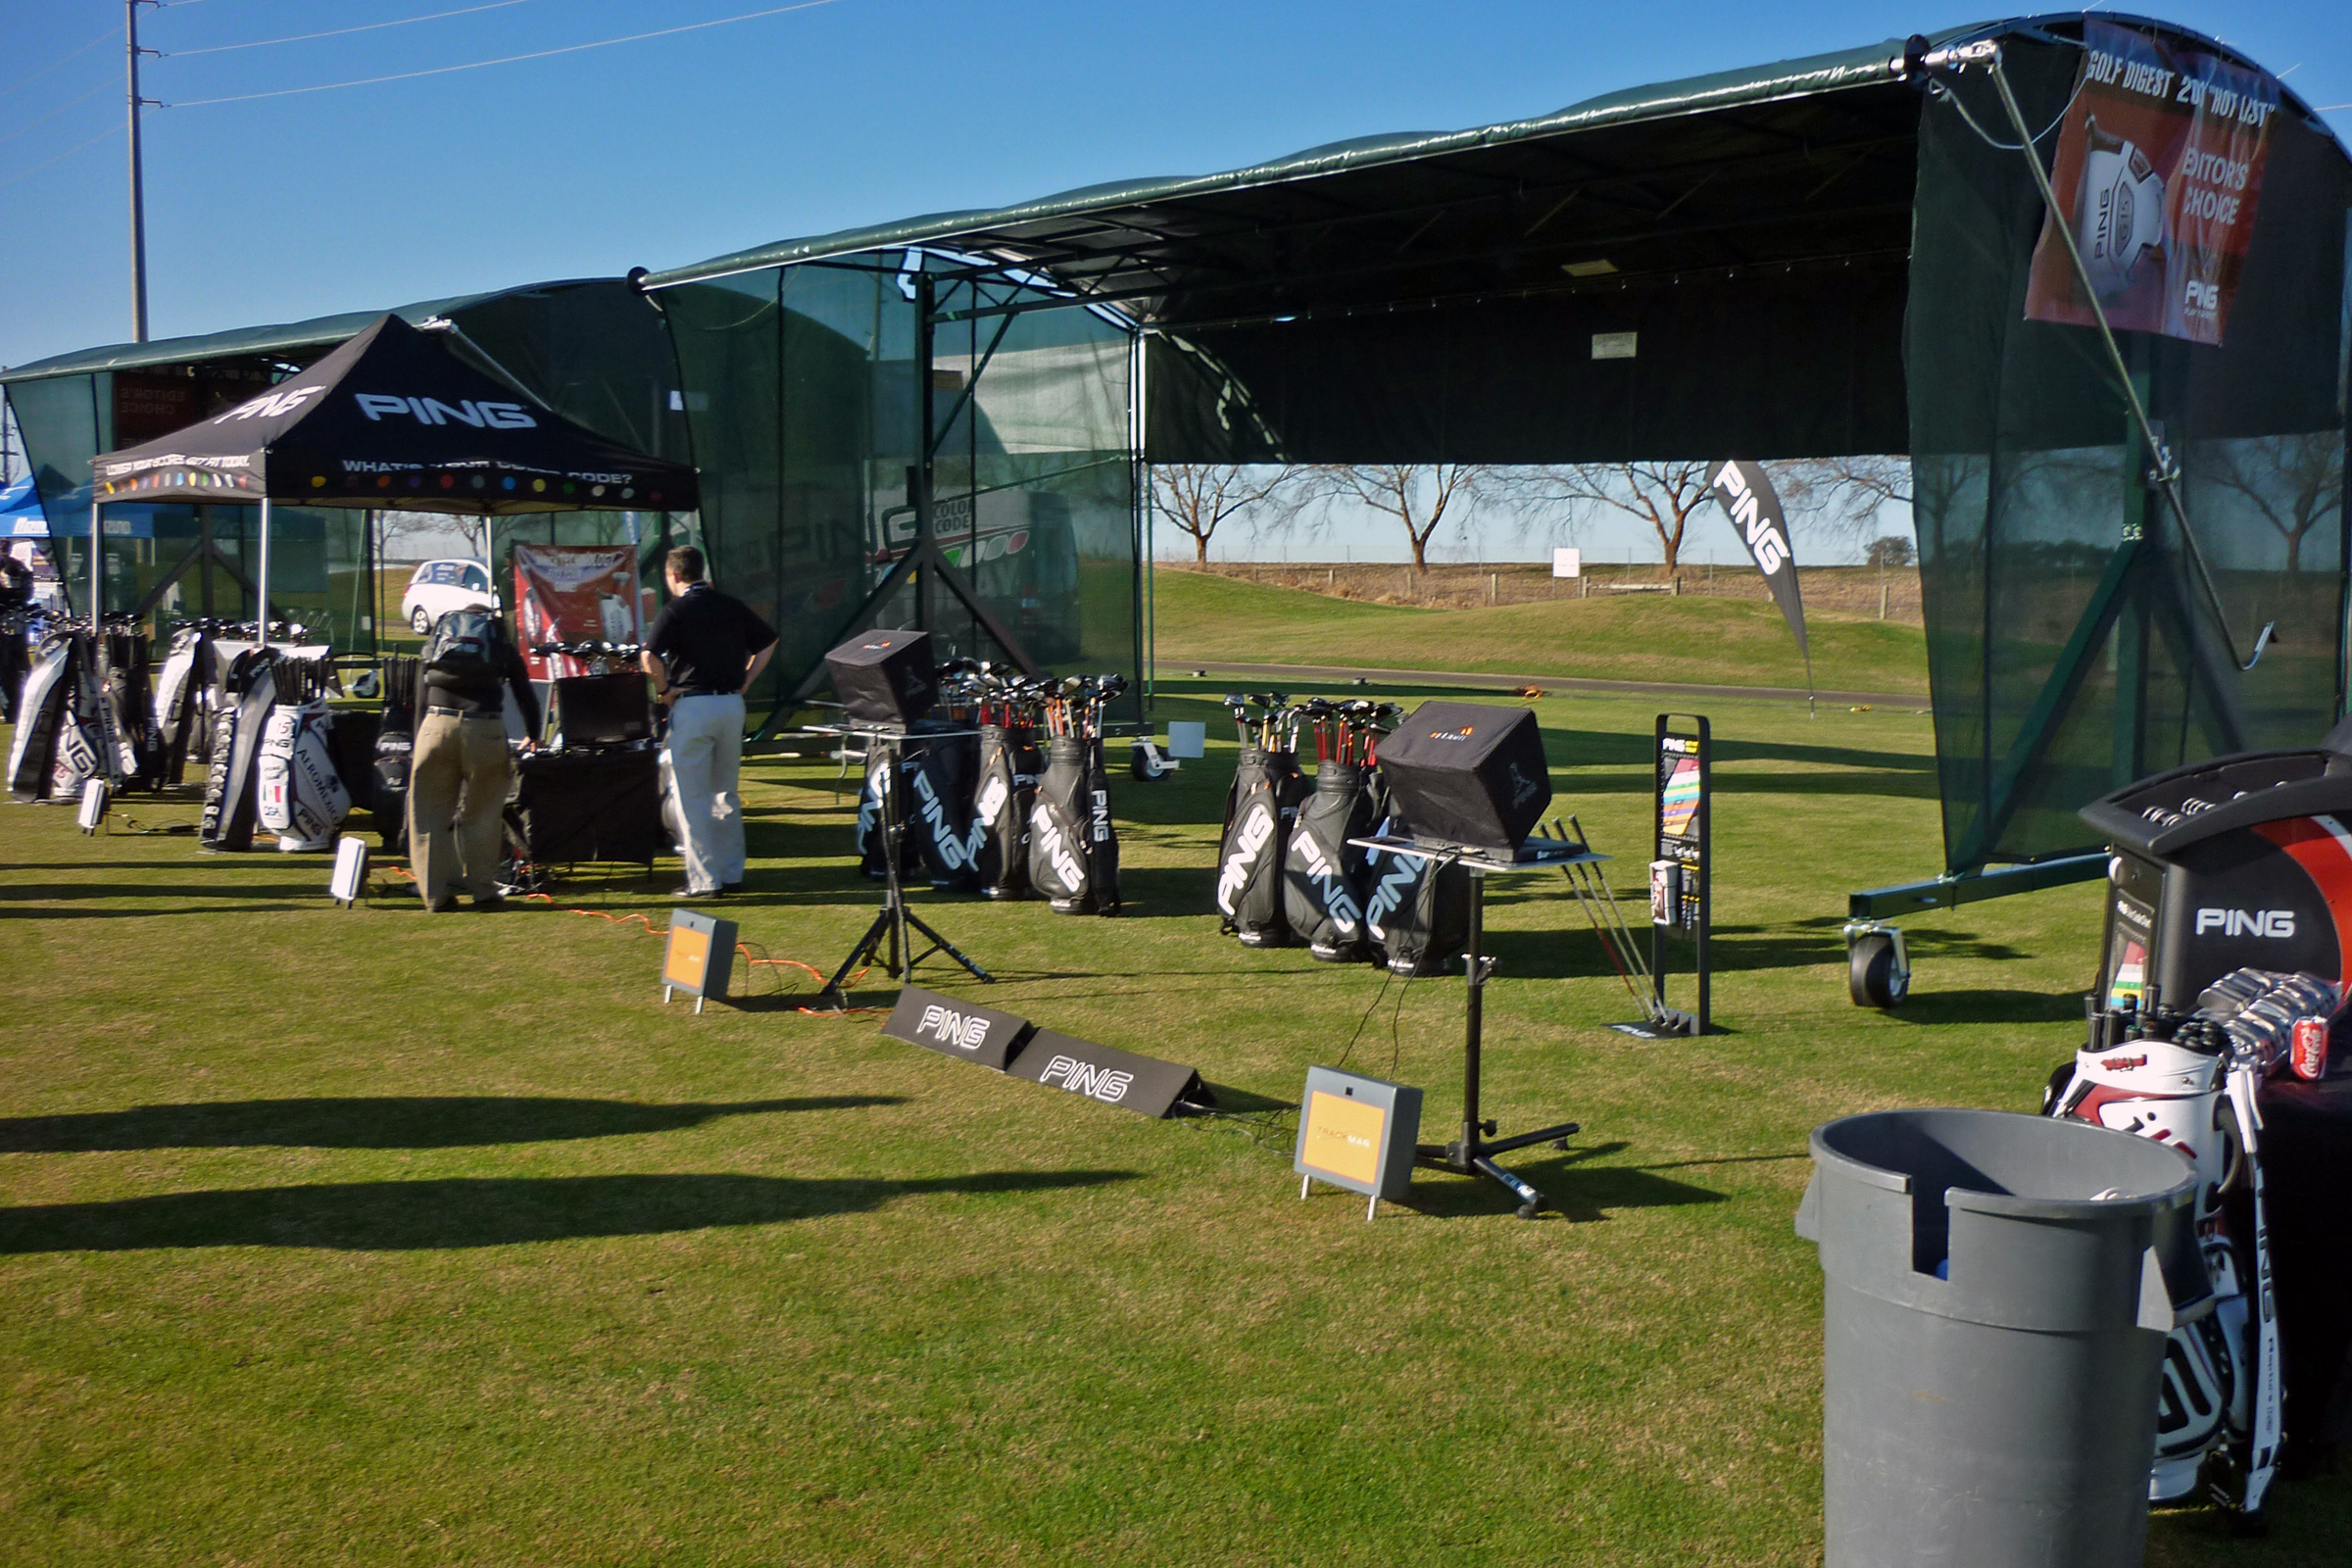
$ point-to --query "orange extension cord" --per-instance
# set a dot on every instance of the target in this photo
(744, 948)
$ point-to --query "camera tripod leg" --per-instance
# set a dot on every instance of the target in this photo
(940, 944)
(863, 952)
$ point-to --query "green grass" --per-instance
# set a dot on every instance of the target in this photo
(1720, 642)
(375, 1237)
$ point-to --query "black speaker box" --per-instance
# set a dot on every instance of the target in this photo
(603, 709)
(884, 677)
(1468, 775)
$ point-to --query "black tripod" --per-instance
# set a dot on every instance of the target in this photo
(895, 923)
(1473, 1152)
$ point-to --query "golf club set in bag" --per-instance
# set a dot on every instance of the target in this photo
(2189, 1079)
(988, 809)
(1287, 871)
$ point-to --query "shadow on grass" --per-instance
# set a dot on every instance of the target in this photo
(1571, 1187)
(403, 1122)
(406, 1216)
(1989, 1006)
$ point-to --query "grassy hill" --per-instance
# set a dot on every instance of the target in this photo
(1694, 640)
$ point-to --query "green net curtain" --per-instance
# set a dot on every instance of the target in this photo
(2069, 647)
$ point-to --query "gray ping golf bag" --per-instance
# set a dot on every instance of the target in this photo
(1001, 804)
(2219, 1410)
(41, 704)
(395, 755)
(299, 794)
(1322, 874)
(1073, 849)
(1259, 810)
(229, 802)
(940, 777)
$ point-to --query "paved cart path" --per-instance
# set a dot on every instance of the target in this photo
(1550, 683)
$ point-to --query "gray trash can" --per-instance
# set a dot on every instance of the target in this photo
(1992, 1333)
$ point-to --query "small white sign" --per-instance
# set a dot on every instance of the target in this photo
(1615, 345)
(1188, 737)
(1567, 562)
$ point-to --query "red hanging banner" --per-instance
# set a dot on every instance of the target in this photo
(2158, 169)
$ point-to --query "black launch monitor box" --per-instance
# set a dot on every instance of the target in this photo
(2241, 861)
(885, 676)
(1468, 775)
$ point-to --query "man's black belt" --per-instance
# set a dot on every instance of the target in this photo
(458, 712)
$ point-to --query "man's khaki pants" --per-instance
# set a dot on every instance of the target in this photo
(459, 778)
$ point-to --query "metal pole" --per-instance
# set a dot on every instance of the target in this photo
(139, 195)
(97, 568)
(261, 579)
(1475, 1013)
(926, 522)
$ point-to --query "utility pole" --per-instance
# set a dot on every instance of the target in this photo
(138, 190)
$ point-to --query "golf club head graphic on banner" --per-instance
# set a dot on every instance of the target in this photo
(2157, 170)
(1748, 495)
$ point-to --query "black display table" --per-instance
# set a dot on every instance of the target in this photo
(588, 804)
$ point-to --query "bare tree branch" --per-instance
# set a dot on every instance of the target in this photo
(1200, 496)
(1417, 495)
(1663, 495)
(2292, 482)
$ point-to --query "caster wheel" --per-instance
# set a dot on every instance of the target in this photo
(1560, 1144)
(1872, 977)
(1527, 1210)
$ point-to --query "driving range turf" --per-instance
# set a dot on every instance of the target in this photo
(372, 1236)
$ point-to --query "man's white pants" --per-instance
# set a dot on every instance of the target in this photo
(705, 755)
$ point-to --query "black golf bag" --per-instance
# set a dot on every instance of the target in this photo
(1259, 810)
(177, 706)
(1001, 804)
(880, 773)
(1421, 920)
(395, 755)
(41, 705)
(1322, 874)
(229, 796)
(940, 775)
(1073, 848)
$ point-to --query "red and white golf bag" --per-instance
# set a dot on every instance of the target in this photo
(2221, 1404)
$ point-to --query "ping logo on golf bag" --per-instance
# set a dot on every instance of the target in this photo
(1055, 847)
(2247, 923)
(964, 1031)
(952, 848)
(1257, 827)
(1330, 888)
(1391, 892)
(1101, 816)
(991, 800)
(1085, 1078)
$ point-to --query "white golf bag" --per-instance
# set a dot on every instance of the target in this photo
(2221, 1405)
(302, 798)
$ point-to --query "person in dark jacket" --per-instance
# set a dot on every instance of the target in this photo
(462, 772)
(704, 652)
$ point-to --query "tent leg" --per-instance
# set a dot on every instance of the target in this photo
(262, 580)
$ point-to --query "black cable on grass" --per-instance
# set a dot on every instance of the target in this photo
(1381, 997)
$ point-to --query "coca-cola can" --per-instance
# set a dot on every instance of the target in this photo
(2309, 1056)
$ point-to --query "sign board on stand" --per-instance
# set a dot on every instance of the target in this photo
(1357, 1133)
(699, 958)
(1681, 902)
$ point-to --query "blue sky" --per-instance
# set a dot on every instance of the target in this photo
(845, 112)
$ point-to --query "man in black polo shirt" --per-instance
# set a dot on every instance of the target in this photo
(704, 651)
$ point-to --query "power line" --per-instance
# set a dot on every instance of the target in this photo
(504, 60)
(111, 32)
(59, 157)
(104, 86)
(336, 33)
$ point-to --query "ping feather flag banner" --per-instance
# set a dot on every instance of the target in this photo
(1755, 511)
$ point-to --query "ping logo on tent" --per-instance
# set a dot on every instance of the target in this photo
(433, 411)
(2247, 923)
(270, 405)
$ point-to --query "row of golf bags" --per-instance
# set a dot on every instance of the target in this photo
(990, 813)
(255, 720)
(2187, 1079)
(1287, 870)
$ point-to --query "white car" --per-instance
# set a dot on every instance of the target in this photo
(441, 586)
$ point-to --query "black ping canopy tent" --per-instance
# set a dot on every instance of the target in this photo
(392, 420)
